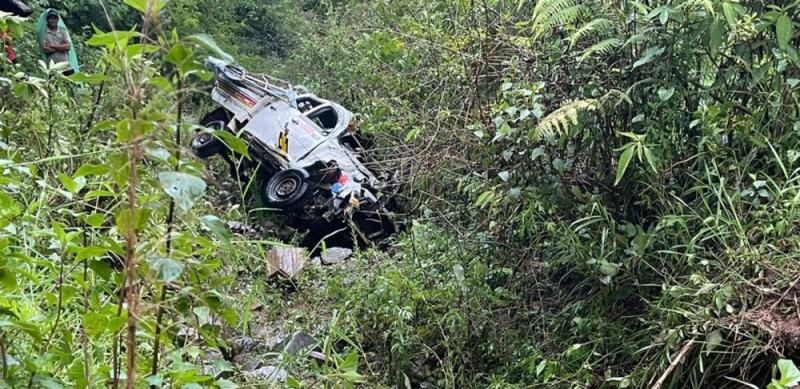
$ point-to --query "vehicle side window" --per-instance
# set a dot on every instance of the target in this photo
(324, 117)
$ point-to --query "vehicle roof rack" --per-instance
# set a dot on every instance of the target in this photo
(262, 84)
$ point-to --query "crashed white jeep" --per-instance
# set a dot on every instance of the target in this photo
(305, 150)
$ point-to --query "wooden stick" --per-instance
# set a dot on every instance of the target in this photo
(685, 350)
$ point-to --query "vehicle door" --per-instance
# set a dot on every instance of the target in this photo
(302, 137)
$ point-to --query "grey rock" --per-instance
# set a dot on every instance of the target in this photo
(298, 342)
(247, 361)
(335, 255)
(316, 261)
(235, 227)
(271, 373)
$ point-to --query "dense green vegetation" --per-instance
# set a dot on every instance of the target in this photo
(596, 195)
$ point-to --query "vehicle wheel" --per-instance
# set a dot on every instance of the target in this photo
(287, 189)
(204, 144)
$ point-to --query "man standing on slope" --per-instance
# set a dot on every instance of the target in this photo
(55, 42)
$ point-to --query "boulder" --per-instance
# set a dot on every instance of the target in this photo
(335, 255)
(270, 373)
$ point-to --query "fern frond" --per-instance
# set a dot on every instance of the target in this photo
(642, 36)
(603, 47)
(614, 97)
(566, 16)
(560, 120)
(597, 27)
(546, 9)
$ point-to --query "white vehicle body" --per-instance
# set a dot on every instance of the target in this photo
(287, 131)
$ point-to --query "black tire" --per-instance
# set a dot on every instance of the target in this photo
(287, 189)
(204, 144)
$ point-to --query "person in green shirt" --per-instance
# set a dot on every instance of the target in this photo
(55, 42)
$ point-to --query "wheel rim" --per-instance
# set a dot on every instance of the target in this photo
(287, 186)
(204, 138)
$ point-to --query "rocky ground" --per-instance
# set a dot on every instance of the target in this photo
(284, 317)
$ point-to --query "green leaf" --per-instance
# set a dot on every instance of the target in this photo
(292, 383)
(484, 198)
(141, 5)
(225, 384)
(94, 323)
(87, 78)
(234, 143)
(90, 252)
(713, 340)
(186, 189)
(411, 135)
(209, 43)
(624, 160)
(665, 94)
(215, 225)
(609, 269)
(46, 382)
(503, 175)
(650, 158)
(68, 183)
(202, 312)
(167, 269)
(784, 29)
(154, 380)
(790, 375)
(649, 55)
(731, 12)
(715, 33)
(109, 39)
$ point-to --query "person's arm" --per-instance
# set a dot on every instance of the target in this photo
(65, 44)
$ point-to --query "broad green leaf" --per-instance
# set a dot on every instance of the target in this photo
(209, 43)
(649, 55)
(215, 225)
(46, 382)
(292, 383)
(202, 312)
(784, 29)
(609, 269)
(167, 269)
(234, 143)
(68, 183)
(790, 375)
(94, 323)
(624, 160)
(665, 94)
(715, 33)
(90, 252)
(731, 12)
(141, 5)
(225, 384)
(503, 175)
(186, 189)
(109, 39)
(87, 78)
(713, 340)
(650, 158)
